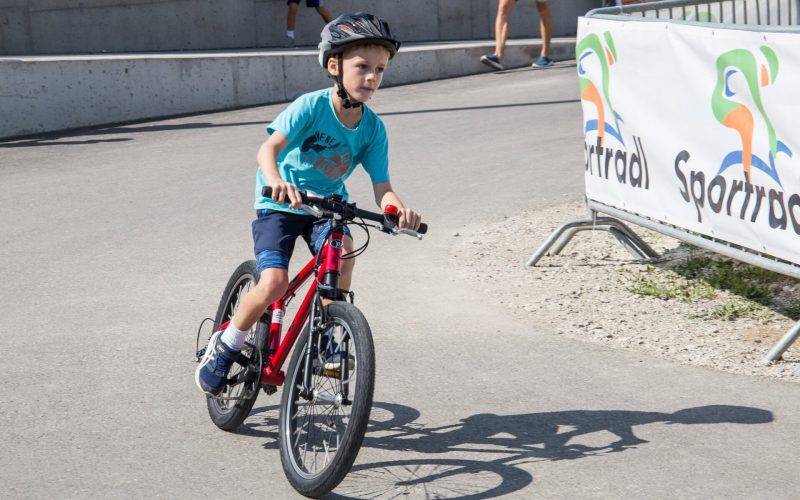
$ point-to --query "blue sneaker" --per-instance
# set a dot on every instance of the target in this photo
(211, 375)
(331, 353)
(492, 61)
(541, 62)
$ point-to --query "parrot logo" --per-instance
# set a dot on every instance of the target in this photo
(737, 104)
(594, 56)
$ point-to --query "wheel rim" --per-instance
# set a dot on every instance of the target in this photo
(224, 405)
(316, 428)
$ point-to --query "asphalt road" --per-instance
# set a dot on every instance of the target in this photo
(117, 242)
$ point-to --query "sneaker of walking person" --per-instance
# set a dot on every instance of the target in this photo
(542, 61)
(492, 61)
(289, 43)
(211, 375)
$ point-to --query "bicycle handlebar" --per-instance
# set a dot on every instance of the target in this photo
(349, 211)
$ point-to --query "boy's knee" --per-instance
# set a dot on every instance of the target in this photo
(347, 264)
(271, 283)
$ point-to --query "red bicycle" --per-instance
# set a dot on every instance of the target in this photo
(326, 403)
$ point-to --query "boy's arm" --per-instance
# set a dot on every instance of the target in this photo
(282, 191)
(385, 195)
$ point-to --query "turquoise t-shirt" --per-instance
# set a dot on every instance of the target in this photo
(322, 152)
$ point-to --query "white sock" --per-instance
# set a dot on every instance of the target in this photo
(233, 337)
(290, 34)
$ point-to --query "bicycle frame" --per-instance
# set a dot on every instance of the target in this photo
(328, 265)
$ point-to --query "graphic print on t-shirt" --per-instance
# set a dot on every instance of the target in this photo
(327, 155)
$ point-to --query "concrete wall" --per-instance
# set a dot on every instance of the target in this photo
(43, 94)
(115, 26)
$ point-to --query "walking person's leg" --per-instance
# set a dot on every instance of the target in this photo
(325, 13)
(291, 21)
(546, 33)
(504, 8)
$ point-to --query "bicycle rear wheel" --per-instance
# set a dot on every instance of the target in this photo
(321, 430)
(233, 405)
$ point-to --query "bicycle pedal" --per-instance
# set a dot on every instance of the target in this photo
(243, 377)
(331, 373)
(199, 355)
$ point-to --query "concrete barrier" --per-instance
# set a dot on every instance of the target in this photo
(30, 27)
(43, 94)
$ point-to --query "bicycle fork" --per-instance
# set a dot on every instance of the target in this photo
(314, 323)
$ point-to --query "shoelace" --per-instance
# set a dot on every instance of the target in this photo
(220, 363)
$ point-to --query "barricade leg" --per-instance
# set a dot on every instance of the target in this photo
(567, 226)
(641, 246)
(559, 245)
(630, 240)
(627, 243)
(778, 349)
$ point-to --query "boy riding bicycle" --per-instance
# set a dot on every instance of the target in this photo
(314, 145)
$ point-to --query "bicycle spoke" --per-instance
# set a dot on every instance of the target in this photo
(327, 452)
(321, 433)
(319, 425)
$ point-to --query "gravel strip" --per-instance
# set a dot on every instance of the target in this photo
(585, 293)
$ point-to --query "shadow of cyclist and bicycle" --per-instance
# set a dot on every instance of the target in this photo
(506, 442)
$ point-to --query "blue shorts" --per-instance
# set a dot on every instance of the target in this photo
(309, 3)
(274, 234)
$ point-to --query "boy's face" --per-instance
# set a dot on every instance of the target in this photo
(363, 70)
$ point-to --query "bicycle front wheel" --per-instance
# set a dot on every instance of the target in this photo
(322, 425)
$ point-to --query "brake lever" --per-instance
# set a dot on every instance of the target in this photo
(312, 210)
(394, 230)
(410, 232)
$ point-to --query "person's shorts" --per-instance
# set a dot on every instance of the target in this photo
(309, 3)
(274, 234)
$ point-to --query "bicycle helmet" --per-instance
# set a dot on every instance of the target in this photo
(355, 29)
(349, 30)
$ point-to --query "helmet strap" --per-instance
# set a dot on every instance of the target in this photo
(341, 92)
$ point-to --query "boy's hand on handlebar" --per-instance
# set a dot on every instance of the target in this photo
(408, 219)
(284, 192)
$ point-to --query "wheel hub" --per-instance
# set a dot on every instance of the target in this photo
(335, 400)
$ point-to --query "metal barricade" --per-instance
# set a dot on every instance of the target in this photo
(759, 15)
(762, 13)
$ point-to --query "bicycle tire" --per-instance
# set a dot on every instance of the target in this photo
(340, 429)
(229, 414)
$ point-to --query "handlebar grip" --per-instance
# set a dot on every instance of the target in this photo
(423, 228)
(266, 192)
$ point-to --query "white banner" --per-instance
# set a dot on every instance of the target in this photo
(696, 127)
